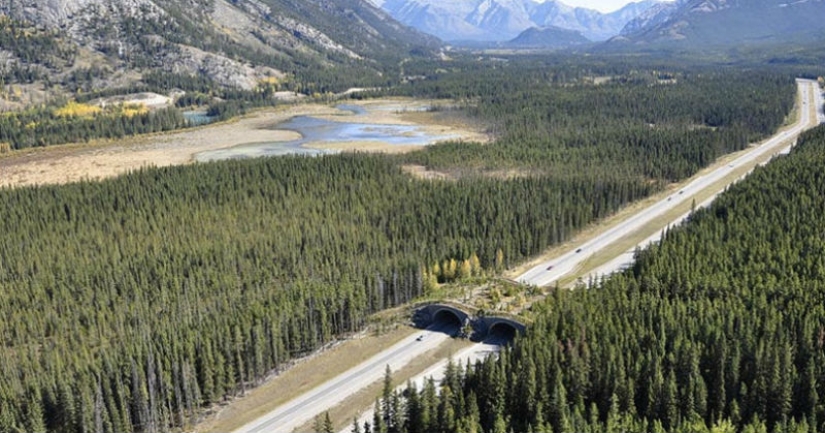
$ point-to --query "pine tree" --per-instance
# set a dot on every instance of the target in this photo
(318, 423)
(429, 406)
(387, 413)
(327, 425)
(34, 421)
(379, 424)
(670, 401)
(446, 415)
(414, 410)
(500, 424)
(809, 396)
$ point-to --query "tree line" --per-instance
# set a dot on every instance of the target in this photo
(718, 328)
(660, 123)
(132, 303)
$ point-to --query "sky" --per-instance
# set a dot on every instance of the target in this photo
(599, 5)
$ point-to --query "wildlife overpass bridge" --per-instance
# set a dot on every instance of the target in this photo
(470, 323)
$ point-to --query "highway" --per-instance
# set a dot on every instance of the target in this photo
(555, 269)
(819, 100)
(304, 408)
(561, 266)
(472, 354)
(625, 259)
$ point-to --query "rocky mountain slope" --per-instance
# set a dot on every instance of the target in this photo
(594, 25)
(233, 42)
(547, 37)
(500, 20)
(707, 23)
(654, 16)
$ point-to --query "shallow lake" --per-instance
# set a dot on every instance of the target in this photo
(315, 130)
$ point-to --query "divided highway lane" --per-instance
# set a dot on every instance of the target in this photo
(304, 408)
(476, 352)
(626, 258)
(551, 271)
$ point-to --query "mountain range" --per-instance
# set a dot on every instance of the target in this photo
(240, 43)
(501, 20)
(233, 42)
(725, 23)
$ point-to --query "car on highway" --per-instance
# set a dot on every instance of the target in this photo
(579, 250)
(420, 337)
(550, 268)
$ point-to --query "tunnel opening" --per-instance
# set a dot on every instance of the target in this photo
(501, 333)
(447, 321)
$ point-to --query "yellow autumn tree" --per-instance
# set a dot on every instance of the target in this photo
(449, 269)
(430, 281)
(131, 110)
(76, 109)
(475, 264)
(437, 271)
(499, 259)
(465, 270)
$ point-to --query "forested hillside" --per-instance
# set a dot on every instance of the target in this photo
(132, 303)
(233, 43)
(719, 328)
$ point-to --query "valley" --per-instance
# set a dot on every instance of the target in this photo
(235, 268)
(592, 259)
(287, 215)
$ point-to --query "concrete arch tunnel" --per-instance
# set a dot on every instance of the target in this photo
(450, 315)
(447, 316)
(454, 317)
(500, 328)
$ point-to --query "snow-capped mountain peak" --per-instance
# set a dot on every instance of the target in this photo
(499, 20)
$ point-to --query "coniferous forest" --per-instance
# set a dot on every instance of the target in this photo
(132, 303)
(719, 328)
(661, 125)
